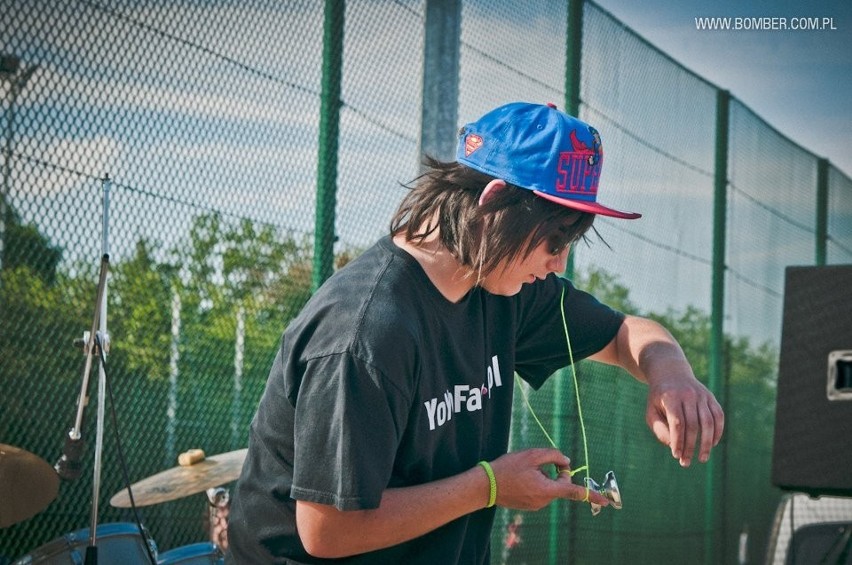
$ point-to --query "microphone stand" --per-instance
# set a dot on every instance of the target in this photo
(103, 338)
(69, 466)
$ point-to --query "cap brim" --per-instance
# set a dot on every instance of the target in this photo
(591, 207)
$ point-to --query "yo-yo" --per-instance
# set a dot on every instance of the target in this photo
(609, 489)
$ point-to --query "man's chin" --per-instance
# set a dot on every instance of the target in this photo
(503, 290)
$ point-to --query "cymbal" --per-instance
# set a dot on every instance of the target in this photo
(27, 485)
(182, 481)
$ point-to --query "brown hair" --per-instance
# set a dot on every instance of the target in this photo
(509, 225)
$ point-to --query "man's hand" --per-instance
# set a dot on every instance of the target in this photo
(679, 410)
(524, 484)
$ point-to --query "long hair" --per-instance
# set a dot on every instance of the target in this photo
(508, 226)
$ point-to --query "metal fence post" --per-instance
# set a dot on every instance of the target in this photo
(556, 429)
(439, 111)
(821, 211)
(573, 54)
(329, 130)
(714, 541)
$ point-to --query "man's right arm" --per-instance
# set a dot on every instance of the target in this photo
(409, 512)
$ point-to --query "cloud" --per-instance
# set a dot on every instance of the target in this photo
(100, 154)
(797, 81)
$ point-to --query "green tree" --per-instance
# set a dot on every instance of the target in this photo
(26, 246)
(140, 295)
(241, 284)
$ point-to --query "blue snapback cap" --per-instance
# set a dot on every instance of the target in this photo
(539, 148)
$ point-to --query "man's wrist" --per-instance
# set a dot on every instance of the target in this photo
(492, 483)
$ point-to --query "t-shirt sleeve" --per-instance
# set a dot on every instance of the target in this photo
(347, 428)
(542, 347)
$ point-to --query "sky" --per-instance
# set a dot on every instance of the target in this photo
(799, 81)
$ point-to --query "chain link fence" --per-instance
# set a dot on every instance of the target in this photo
(202, 123)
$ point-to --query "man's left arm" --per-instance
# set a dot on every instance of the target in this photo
(680, 408)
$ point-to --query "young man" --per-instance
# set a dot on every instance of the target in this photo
(382, 434)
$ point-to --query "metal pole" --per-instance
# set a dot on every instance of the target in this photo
(556, 429)
(174, 373)
(714, 543)
(7, 170)
(441, 48)
(104, 349)
(332, 72)
(573, 70)
(573, 54)
(239, 361)
(821, 211)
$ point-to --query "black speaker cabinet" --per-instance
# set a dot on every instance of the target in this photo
(812, 448)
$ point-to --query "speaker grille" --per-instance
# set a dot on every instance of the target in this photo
(812, 448)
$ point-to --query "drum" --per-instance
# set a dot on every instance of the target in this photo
(194, 554)
(117, 543)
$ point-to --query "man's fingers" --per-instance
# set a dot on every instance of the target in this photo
(546, 456)
(659, 426)
(712, 425)
(682, 426)
(577, 493)
(688, 419)
(708, 432)
(692, 426)
(668, 426)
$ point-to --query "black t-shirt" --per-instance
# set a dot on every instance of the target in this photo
(380, 382)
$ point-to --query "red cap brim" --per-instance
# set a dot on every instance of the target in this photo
(592, 207)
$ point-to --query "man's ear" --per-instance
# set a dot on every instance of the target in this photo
(490, 190)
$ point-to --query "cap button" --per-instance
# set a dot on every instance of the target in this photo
(551, 105)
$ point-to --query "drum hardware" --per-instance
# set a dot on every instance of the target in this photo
(218, 509)
(196, 553)
(69, 466)
(117, 543)
(195, 473)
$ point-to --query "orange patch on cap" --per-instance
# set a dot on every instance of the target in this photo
(471, 143)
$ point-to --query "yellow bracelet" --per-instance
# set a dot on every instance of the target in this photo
(492, 483)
